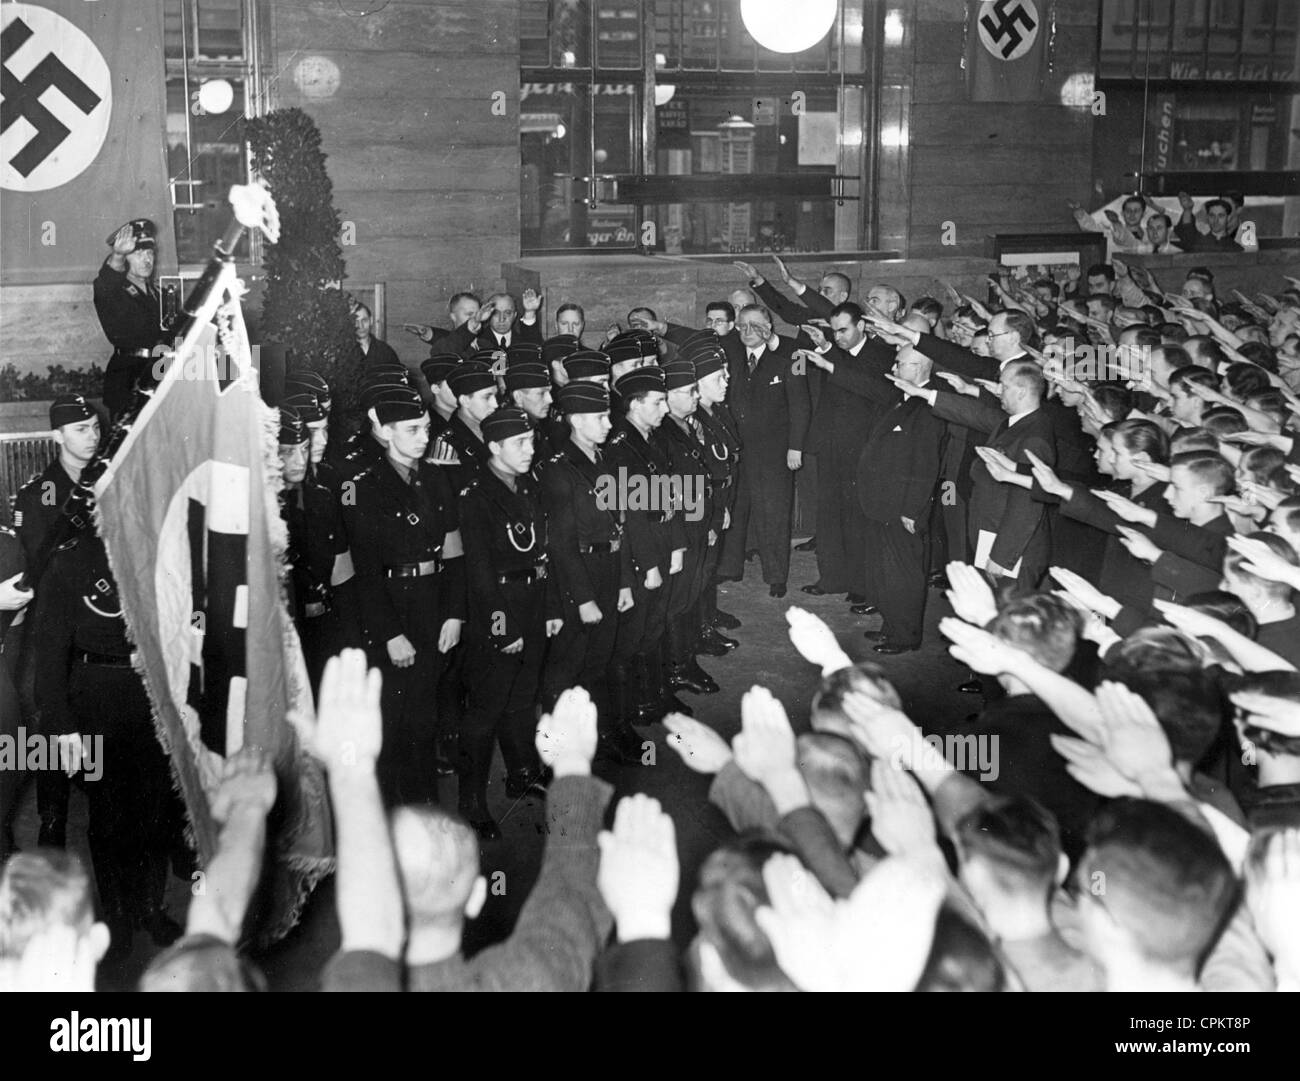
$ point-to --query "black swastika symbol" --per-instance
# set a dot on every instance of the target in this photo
(1005, 26)
(22, 98)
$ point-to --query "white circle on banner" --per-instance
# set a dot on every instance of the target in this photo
(1008, 28)
(317, 77)
(61, 99)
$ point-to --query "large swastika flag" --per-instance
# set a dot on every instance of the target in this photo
(188, 511)
(1007, 46)
(82, 134)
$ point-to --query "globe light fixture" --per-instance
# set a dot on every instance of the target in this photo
(788, 26)
(216, 96)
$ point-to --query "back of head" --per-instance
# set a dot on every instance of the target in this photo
(836, 774)
(1115, 401)
(438, 861)
(1223, 421)
(1211, 470)
(201, 963)
(1143, 437)
(1023, 324)
(1226, 606)
(39, 890)
(1016, 841)
(1233, 565)
(728, 893)
(961, 957)
(1158, 648)
(1183, 378)
(1163, 881)
(1043, 625)
(865, 677)
(1189, 705)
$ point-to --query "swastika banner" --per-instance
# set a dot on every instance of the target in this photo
(82, 135)
(189, 516)
(1007, 48)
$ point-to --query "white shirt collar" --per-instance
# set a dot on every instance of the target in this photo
(1018, 416)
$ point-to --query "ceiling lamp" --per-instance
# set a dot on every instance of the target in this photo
(788, 26)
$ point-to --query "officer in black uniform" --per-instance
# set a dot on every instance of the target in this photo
(364, 446)
(475, 387)
(318, 556)
(38, 509)
(593, 571)
(635, 480)
(442, 399)
(299, 386)
(129, 309)
(513, 610)
(405, 539)
(682, 439)
(87, 690)
(554, 350)
(528, 387)
(722, 455)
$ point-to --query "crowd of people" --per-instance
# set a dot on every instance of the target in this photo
(519, 546)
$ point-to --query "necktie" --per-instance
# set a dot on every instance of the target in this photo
(753, 362)
(501, 343)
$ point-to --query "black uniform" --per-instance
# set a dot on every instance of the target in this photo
(722, 455)
(396, 527)
(39, 505)
(590, 564)
(131, 319)
(511, 597)
(11, 713)
(652, 533)
(85, 683)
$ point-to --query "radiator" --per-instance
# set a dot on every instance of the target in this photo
(21, 455)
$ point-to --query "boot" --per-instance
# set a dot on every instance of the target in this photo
(713, 642)
(659, 673)
(644, 696)
(684, 661)
(617, 739)
(680, 676)
(476, 751)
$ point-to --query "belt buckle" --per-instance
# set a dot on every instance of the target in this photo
(616, 544)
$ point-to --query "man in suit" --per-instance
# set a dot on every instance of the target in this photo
(496, 325)
(770, 402)
(841, 423)
(462, 308)
(1008, 529)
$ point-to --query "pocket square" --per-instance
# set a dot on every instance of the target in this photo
(898, 427)
(775, 380)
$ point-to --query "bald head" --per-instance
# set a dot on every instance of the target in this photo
(437, 858)
(918, 322)
(913, 366)
(740, 298)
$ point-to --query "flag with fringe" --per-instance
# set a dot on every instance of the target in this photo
(188, 511)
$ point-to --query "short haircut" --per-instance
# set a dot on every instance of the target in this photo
(970, 315)
(1287, 513)
(1143, 437)
(1173, 334)
(1174, 356)
(835, 771)
(1183, 378)
(1259, 462)
(438, 862)
(201, 963)
(1260, 353)
(456, 298)
(570, 306)
(1213, 470)
(1202, 274)
(728, 893)
(650, 312)
(1101, 270)
(1188, 704)
(1232, 564)
(1157, 648)
(1130, 199)
(899, 302)
(1043, 625)
(359, 307)
(929, 307)
(758, 308)
(1205, 352)
(1027, 375)
(1246, 379)
(1223, 421)
(1162, 216)
(1193, 439)
(851, 309)
(725, 306)
(1221, 203)
(1114, 400)
(1017, 839)
(841, 280)
(865, 677)
(1139, 336)
(961, 957)
(1053, 290)
(1104, 300)
(41, 889)
(1022, 324)
(1167, 882)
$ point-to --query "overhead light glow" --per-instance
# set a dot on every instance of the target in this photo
(788, 26)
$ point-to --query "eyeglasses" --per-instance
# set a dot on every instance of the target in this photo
(1000, 333)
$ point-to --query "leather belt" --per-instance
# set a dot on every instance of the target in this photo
(145, 353)
(606, 546)
(314, 609)
(414, 570)
(104, 660)
(533, 574)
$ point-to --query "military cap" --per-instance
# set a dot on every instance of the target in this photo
(70, 409)
(640, 380)
(527, 376)
(582, 398)
(439, 366)
(144, 232)
(559, 347)
(394, 404)
(633, 345)
(307, 406)
(504, 423)
(586, 364)
(678, 374)
(293, 428)
(470, 377)
(523, 353)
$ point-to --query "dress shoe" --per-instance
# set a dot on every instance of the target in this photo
(528, 783)
(814, 590)
(971, 686)
(856, 598)
(938, 581)
(751, 555)
(682, 679)
(161, 928)
(710, 685)
(810, 545)
(715, 643)
(863, 609)
(777, 590)
(890, 648)
(874, 636)
(725, 620)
